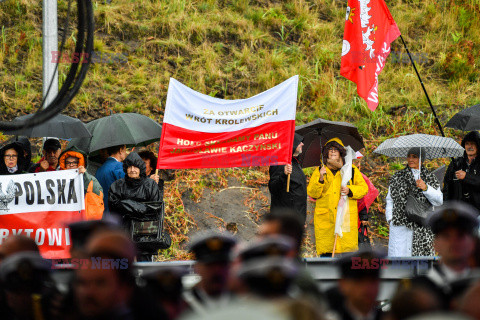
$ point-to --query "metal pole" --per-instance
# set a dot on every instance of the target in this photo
(423, 87)
(49, 45)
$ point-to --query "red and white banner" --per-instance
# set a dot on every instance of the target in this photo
(369, 30)
(39, 206)
(200, 131)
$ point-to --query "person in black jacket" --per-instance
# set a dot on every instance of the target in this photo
(462, 179)
(12, 159)
(296, 199)
(127, 197)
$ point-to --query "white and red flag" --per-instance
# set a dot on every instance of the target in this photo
(39, 206)
(369, 30)
(200, 131)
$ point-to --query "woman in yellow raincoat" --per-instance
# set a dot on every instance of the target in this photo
(325, 186)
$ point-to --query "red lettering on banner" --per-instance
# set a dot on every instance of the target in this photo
(183, 148)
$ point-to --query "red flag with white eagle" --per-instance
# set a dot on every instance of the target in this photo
(369, 30)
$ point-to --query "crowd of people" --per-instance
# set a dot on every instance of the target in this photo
(262, 279)
(413, 191)
(114, 183)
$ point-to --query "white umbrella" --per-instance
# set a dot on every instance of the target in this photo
(433, 146)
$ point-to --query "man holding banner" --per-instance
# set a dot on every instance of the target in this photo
(296, 196)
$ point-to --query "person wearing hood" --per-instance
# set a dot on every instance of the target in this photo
(296, 198)
(462, 179)
(325, 186)
(408, 238)
(128, 196)
(13, 159)
(73, 158)
(27, 148)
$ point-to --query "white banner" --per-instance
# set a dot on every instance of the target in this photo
(40, 192)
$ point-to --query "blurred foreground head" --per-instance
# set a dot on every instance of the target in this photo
(25, 278)
(413, 301)
(15, 244)
(360, 279)
(81, 232)
(104, 287)
(455, 226)
(212, 250)
(283, 222)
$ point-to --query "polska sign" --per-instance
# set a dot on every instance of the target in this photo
(40, 206)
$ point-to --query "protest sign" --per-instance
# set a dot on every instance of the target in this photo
(200, 131)
(39, 206)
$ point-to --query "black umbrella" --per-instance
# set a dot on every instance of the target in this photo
(131, 129)
(60, 126)
(466, 120)
(317, 133)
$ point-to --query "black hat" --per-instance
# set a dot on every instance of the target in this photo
(52, 144)
(361, 264)
(271, 246)
(454, 214)
(212, 246)
(417, 151)
(166, 281)
(24, 271)
(81, 231)
(269, 275)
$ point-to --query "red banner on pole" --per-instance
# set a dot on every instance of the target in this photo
(204, 132)
(369, 31)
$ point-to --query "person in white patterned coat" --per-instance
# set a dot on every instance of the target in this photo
(408, 238)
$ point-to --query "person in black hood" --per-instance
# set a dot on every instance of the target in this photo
(128, 196)
(462, 179)
(296, 199)
(12, 159)
(27, 148)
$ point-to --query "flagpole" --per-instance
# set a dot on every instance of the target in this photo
(423, 87)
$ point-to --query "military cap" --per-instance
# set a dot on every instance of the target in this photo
(268, 275)
(361, 264)
(80, 231)
(212, 246)
(454, 214)
(26, 271)
(271, 246)
(166, 281)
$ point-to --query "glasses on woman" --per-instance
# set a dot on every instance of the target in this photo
(71, 163)
(10, 156)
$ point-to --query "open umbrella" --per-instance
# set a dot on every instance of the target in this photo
(318, 132)
(433, 146)
(131, 129)
(466, 120)
(60, 126)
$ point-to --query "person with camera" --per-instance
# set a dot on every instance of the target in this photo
(462, 180)
(129, 197)
(408, 238)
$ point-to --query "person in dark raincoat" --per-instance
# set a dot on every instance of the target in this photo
(296, 199)
(462, 179)
(27, 148)
(12, 159)
(127, 196)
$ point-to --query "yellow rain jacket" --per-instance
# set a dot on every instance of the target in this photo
(328, 195)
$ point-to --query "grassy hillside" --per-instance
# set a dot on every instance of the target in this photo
(237, 48)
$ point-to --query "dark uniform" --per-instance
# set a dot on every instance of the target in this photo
(447, 286)
(212, 251)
